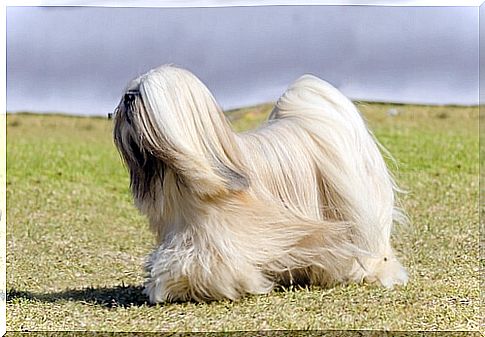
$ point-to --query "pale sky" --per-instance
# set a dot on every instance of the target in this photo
(78, 60)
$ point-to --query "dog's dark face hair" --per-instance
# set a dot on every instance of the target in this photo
(142, 164)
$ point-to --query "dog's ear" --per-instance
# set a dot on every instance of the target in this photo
(181, 124)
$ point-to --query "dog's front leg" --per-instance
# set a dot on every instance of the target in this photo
(187, 268)
(166, 281)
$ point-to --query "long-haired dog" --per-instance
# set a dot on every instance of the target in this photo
(304, 199)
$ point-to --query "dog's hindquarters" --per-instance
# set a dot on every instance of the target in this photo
(354, 183)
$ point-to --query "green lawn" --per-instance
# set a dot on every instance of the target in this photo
(76, 245)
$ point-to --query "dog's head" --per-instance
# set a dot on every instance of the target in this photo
(168, 120)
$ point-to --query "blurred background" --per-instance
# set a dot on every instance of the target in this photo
(77, 60)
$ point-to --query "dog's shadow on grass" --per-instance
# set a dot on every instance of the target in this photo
(109, 297)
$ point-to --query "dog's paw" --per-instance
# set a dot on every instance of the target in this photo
(393, 275)
(162, 288)
(155, 290)
(388, 272)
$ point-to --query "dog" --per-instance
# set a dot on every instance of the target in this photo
(305, 198)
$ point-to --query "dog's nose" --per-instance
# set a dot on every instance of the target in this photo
(128, 98)
(110, 115)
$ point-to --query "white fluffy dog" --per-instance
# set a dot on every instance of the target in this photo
(304, 199)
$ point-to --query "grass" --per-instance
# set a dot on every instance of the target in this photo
(76, 245)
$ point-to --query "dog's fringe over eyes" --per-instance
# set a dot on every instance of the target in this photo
(305, 198)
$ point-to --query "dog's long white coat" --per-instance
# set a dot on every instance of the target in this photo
(306, 197)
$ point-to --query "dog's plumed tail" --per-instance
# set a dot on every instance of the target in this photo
(356, 185)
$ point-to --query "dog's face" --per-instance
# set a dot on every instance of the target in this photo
(142, 164)
(167, 120)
